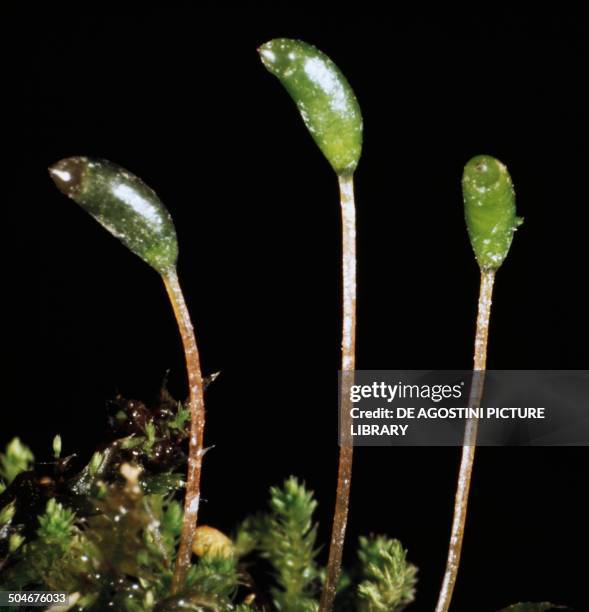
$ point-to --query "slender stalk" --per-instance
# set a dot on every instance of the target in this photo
(340, 517)
(197, 422)
(470, 439)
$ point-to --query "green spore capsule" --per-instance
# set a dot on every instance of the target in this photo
(489, 207)
(123, 204)
(323, 96)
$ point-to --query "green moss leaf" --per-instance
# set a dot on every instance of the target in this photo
(323, 96)
(213, 575)
(7, 514)
(246, 538)
(489, 207)
(17, 458)
(57, 446)
(56, 524)
(287, 539)
(123, 204)
(180, 419)
(389, 580)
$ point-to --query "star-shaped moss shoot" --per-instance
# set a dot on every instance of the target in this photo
(332, 115)
(131, 211)
(323, 96)
(489, 208)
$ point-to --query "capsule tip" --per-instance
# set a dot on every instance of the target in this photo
(267, 55)
(67, 174)
(279, 55)
(484, 170)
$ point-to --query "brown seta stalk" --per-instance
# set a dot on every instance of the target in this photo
(340, 517)
(469, 444)
(197, 423)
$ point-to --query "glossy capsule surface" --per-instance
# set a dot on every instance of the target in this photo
(323, 96)
(123, 204)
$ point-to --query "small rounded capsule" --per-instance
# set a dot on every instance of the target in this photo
(211, 541)
(489, 208)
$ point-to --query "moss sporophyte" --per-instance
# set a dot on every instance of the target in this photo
(112, 534)
(124, 205)
(489, 210)
(331, 113)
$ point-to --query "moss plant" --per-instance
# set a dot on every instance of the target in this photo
(112, 534)
(132, 212)
(108, 536)
(489, 207)
(16, 459)
(388, 580)
(332, 115)
(134, 531)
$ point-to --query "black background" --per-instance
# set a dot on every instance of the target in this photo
(178, 96)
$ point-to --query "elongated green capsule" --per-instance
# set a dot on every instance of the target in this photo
(123, 204)
(323, 96)
(489, 207)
